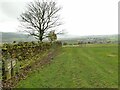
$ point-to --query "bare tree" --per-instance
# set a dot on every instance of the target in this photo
(40, 18)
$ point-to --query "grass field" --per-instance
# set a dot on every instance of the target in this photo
(78, 67)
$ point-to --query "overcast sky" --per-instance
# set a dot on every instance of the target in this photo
(80, 17)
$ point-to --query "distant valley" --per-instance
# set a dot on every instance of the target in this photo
(8, 37)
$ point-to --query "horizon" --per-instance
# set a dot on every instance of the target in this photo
(64, 34)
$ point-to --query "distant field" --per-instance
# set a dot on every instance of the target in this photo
(78, 67)
(92, 45)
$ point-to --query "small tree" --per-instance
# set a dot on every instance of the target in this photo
(52, 36)
(39, 18)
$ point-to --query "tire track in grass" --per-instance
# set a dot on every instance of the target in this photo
(104, 61)
(100, 70)
(79, 65)
(85, 67)
(76, 69)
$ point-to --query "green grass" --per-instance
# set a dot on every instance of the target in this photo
(78, 67)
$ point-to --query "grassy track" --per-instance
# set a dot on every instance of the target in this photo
(76, 67)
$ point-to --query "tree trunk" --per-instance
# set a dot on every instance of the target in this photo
(40, 35)
(40, 38)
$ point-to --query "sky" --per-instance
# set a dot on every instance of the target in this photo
(80, 17)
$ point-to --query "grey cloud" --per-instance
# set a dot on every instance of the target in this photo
(11, 9)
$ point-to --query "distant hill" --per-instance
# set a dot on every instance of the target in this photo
(10, 37)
